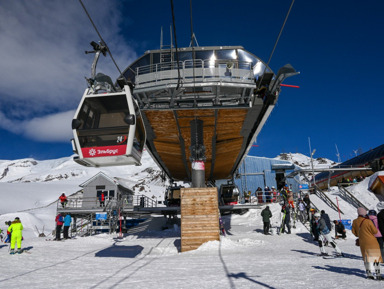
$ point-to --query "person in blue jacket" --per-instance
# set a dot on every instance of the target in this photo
(67, 224)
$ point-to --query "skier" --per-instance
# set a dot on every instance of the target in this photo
(267, 215)
(286, 219)
(326, 219)
(365, 230)
(307, 202)
(16, 230)
(325, 235)
(303, 217)
(67, 224)
(59, 223)
(314, 232)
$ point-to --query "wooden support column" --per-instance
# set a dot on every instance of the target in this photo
(199, 217)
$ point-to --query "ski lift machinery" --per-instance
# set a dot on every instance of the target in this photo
(107, 127)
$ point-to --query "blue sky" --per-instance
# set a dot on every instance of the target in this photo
(336, 45)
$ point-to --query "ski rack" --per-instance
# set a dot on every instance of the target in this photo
(350, 197)
(326, 199)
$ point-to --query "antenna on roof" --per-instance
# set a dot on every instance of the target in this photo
(338, 154)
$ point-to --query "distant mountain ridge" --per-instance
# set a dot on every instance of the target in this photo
(30, 170)
(304, 161)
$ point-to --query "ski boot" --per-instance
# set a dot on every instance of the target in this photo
(12, 252)
(19, 251)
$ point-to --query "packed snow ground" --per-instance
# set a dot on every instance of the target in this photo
(149, 257)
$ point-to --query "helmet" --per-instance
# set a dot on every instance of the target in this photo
(372, 213)
(317, 215)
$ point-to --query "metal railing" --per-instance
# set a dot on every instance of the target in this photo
(192, 71)
(326, 199)
(143, 201)
(94, 203)
(351, 198)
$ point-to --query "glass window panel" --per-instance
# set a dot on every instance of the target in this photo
(226, 54)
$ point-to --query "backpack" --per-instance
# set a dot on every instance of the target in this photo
(61, 219)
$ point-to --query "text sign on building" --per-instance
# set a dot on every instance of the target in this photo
(101, 216)
(303, 187)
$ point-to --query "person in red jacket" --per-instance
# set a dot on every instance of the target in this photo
(59, 223)
(102, 199)
(63, 200)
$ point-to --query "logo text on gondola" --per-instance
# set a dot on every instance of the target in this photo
(104, 151)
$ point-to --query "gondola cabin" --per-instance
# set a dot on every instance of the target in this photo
(108, 129)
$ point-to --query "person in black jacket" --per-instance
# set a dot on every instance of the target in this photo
(339, 229)
(267, 215)
(380, 222)
(326, 219)
(287, 218)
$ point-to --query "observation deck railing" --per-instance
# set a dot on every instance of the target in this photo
(194, 71)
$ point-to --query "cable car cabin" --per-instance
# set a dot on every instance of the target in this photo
(108, 129)
(172, 196)
(228, 194)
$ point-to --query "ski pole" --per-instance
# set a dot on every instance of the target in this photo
(338, 208)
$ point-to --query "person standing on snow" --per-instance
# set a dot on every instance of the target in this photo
(16, 229)
(59, 223)
(365, 230)
(372, 215)
(307, 202)
(380, 223)
(9, 235)
(286, 219)
(267, 215)
(326, 219)
(67, 224)
(325, 236)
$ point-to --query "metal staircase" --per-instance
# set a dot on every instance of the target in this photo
(350, 197)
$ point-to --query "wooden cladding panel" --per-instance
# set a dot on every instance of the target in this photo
(228, 144)
(199, 217)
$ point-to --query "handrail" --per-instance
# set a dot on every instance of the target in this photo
(224, 70)
(326, 199)
(354, 201)
(143, 201)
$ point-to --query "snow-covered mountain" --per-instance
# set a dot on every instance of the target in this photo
(304, 161)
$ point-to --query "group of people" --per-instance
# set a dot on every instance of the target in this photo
(369, 228)
(62, 220)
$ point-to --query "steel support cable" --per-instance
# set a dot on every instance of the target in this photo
(277, 39)
(177, 50)
(101, 38)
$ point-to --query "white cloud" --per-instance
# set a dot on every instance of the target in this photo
(42, 45)
(49, 128)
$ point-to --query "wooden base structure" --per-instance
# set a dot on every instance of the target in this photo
(199, 217)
